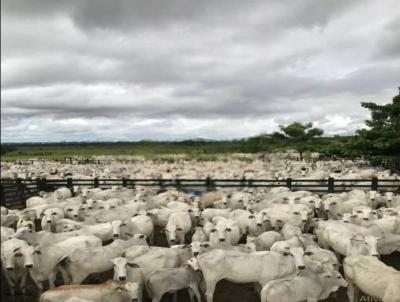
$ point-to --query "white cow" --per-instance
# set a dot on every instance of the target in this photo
(109, 291)
(50, 218)
(141, 266)
(80, 263)
(266, 240)
(6, 233)
(199, 235)
(260, 267)
(179, 224)
(12, 264)
(140, 224)
(247, 222)
(372, 277)
(308, 287)
(209, 214)
(170, 280)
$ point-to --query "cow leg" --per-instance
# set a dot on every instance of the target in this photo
(22, 283)
(351, 292)
(156, 298)
(175, 297)
(210, 290)
(52, 279)
(65, 275)
(191, 294)
(39, 285)
(11, 284)
(195, 288)
(140, 291)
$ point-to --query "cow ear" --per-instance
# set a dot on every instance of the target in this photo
(38, 252)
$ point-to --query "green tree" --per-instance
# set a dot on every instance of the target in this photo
(301, 136)
(380, 142)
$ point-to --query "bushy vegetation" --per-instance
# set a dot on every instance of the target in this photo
(379, 143)
(6, 148)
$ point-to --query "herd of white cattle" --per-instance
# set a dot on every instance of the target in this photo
(272, 166)
(292, 245)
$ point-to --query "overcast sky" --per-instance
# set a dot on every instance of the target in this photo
(176, 69)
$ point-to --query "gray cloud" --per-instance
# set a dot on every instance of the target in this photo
(180, 69)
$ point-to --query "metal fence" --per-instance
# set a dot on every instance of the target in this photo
(15, 192)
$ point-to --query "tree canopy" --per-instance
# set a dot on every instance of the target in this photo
(301, 135)
(380, 142)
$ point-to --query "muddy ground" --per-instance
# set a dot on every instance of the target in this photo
(225, 291)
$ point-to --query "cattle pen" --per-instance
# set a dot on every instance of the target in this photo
(14, 192)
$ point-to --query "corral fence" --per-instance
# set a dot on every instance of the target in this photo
(15, 192)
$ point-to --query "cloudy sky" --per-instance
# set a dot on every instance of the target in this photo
(176, 69)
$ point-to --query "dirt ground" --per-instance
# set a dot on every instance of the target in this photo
(225, 291)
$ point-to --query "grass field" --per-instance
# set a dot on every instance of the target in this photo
(192, 149)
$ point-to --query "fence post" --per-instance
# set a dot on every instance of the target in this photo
(124, 182)
(19, 192)
(38, 184)
(95, 182)
(289, 183)
(2, 196)
(331, 185)
(161, 183)
(70, 185)
(243, 182)
(44, 184)
(178, 184)
(374, 184)
(209, 183)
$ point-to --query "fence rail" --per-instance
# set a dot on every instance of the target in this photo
(15, 192)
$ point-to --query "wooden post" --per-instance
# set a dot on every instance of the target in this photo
(289, 183)
(44, 184)
(38, 185)
(19, 192)
(178, 184)
(70, 185)
(2, 196)
(161, 183)
(124, 182)
(209, 183)
(96, 182)
(243, 181)
(331, 185)
(374, 184)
